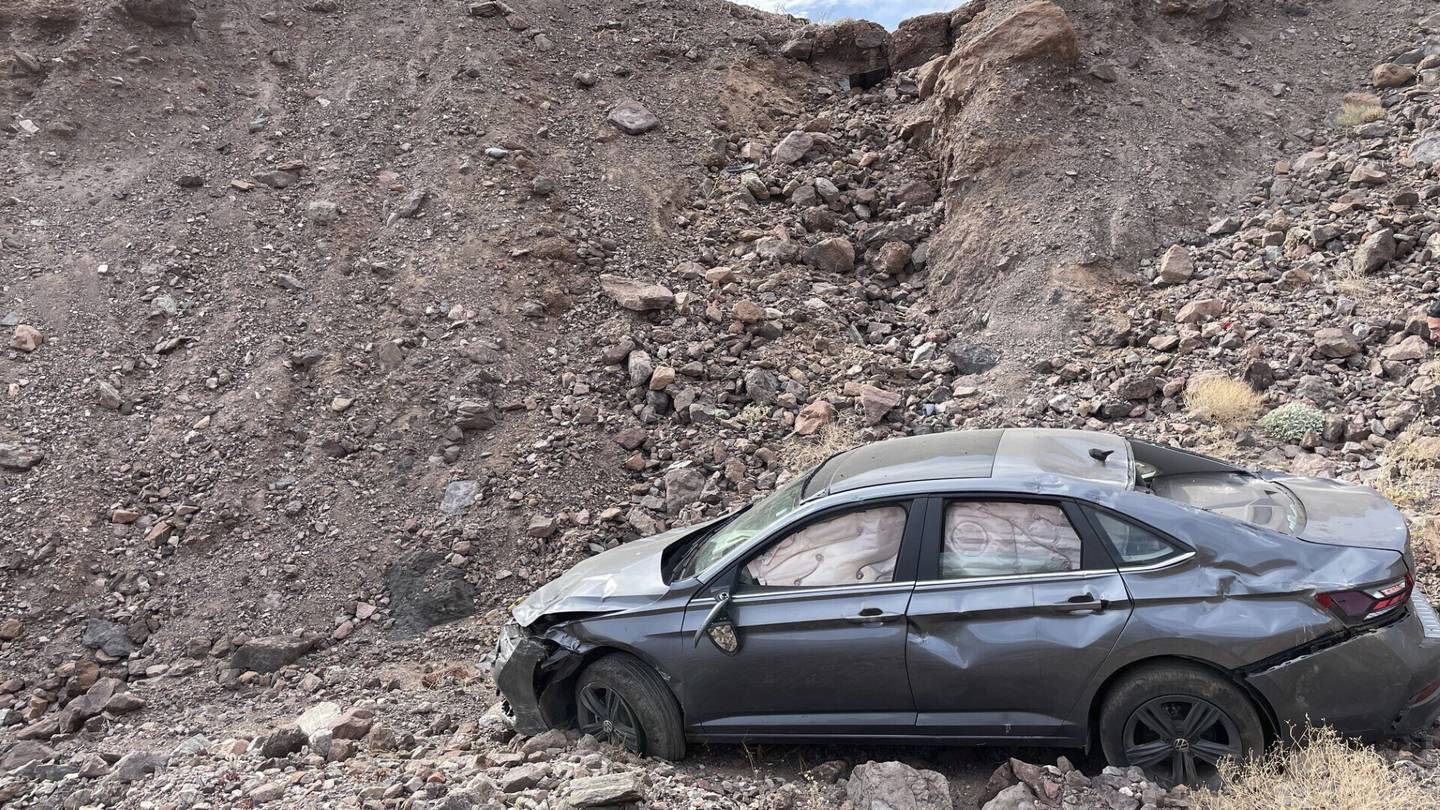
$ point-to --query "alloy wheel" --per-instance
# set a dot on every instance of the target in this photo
(604, 715)
(1179, 739)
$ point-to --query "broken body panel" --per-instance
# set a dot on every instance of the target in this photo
(1004, 659)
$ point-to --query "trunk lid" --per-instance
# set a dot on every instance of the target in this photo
(1318, 510)
(1341, 514)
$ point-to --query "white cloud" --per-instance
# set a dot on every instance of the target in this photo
(886, 12)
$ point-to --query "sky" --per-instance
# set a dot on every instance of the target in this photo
(888, 13)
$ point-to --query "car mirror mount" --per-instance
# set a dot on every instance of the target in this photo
(719, 627)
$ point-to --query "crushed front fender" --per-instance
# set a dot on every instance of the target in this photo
(517, 664)
(533, 673)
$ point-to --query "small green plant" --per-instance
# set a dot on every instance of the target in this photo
(755, 414)
(1291, 421)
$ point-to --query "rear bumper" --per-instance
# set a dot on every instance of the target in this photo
(1372, 685)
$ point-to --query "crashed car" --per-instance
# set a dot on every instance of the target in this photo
(996, 587)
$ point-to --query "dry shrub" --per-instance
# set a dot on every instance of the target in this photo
(1407, 474)
(803, 452)
(1357, 109)
(1222, 400)
(1322, 770)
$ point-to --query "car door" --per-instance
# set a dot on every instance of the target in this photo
(1016, 607)
(818, 612)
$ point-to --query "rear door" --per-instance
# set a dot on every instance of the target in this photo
(819, 615)
(1015, 608)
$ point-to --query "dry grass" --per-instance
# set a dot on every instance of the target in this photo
(803, 452)
(1357, 109)
(1321, 771)
(1222, 401)
(1407, 474)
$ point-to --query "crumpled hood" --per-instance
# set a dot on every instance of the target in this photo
(627, 576)
(1337, 513)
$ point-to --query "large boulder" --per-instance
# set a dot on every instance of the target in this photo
(897, 786)
(846, 48)
(604, 790)
(1038, 32)
(108, 637)
(833, 255)
(18, 458)
(635, 295)
(426, 591)
(23, 753)
(270, 653)
(920, 39)
(160, 13)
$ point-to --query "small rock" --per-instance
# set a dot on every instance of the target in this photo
(1375, 252)
(605, 790)
(107, 637)
(635, 295)
(876, 785)
(632, 118)
(26, 338)
(270, 654)
(814, 416)
(1336, 343)
(283, 743)
(833, 255)
(1205, 309)
(875, 403)
(1390, 75)
(792, 147)
(1176, 266)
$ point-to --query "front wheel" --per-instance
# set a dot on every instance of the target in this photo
(1178, 723)
(618, 699)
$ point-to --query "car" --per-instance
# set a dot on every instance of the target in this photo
(996, 587)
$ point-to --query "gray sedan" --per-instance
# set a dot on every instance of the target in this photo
(996, 587)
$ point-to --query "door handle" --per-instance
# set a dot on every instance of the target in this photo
(872, 615)
(1081, 603)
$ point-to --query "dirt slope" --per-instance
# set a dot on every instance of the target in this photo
(300, 292)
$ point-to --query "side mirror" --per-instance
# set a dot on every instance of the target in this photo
(719, 627)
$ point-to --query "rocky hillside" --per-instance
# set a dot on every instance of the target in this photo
(333, 322)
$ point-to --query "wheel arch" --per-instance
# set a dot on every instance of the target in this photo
(558, 697)
(1268, 718)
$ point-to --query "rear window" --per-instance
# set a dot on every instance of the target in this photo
(1133, 544)
(1237, 495)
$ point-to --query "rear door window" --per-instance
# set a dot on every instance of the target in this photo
(1002, 538)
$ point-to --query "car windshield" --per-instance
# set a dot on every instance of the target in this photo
(713, 547)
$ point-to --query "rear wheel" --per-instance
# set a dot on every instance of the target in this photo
(1177, 723)
(618, 699)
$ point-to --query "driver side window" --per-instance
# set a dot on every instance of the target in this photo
(853, 548)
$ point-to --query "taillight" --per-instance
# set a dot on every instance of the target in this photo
(1424, 694)
(1367, 603)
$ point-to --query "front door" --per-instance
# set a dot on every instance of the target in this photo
(819, 616)
(1016, 608)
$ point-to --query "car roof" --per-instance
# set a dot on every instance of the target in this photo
(1102, 458)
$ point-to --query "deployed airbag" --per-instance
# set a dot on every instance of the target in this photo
(854, 547)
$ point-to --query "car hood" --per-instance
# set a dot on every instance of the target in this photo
(627, 576)
(1344, 514)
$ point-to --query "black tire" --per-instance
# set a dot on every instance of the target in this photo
(627, 689)
(1160, 718)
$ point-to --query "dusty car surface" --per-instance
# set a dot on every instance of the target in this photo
(996, 587)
